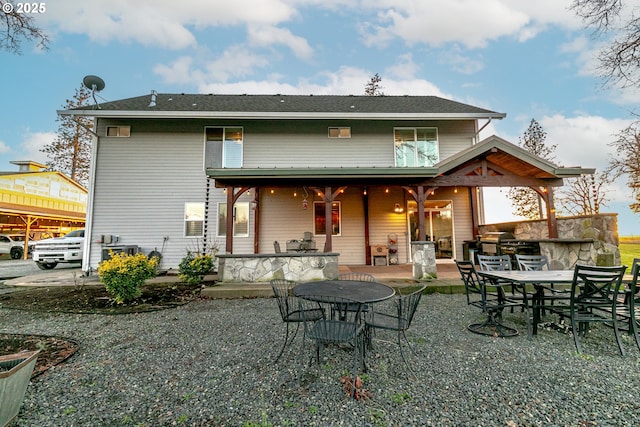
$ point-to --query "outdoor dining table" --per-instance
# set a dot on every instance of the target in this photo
(537, 278)
(355, 290)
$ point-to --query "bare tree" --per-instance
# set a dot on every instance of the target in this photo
(626, 162)
(618, 23)
(584, 195)
(15, 27)
(525, 201)
(373, 87)
(70, 152)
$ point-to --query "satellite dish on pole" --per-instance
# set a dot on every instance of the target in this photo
(95, 83)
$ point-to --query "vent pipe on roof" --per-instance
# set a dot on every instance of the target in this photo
(153, 98)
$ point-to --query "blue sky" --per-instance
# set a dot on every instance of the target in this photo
(526, 59)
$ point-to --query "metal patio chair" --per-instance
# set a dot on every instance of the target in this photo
(326, 331)
(490, 302)
(358, 277)
(539, 263)
(398, 320)
(594, 299)
(290, 310)
(503, 263)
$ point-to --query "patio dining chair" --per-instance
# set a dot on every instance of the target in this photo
(490, 302)
(595, 299)
(357, 277)
(627, 313)
(326, 331)
(290, 310)
(502, 263)
(539, 263)
(398, 319)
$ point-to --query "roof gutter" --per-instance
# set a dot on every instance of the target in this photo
(272, 115)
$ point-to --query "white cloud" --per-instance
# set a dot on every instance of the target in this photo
(344, 81)
(163, 23)
(4, 148)
(582, 140)
(235, 62)
(472, 24)
(460, 62)
(175, 25)
(31, 144)
(269, 35)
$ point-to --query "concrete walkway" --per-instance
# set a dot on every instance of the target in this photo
(448, 280)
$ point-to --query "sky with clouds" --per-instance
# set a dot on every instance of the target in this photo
(526, 59)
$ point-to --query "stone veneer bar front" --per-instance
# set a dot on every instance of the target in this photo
(299, 267)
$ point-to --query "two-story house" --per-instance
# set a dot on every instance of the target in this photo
(178, 172)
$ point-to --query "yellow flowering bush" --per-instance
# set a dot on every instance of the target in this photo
(194, 267)
(123, 275)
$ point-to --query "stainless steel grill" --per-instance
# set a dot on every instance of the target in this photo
(491, 241)
(504, 243)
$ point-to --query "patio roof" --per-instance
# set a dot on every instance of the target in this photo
(493, 162)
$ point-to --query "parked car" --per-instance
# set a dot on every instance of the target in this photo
(48, 253)
(12, 244)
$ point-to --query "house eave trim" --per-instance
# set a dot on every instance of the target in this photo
(311, 115)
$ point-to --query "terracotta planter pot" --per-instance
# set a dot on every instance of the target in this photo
(15, 373)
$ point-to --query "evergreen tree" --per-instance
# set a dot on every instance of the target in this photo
(526, 202)
(373, 87)
(70, 152)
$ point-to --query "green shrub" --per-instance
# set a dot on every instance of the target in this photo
(123, 275)
(194, 267)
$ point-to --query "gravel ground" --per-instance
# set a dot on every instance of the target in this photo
(209, 363)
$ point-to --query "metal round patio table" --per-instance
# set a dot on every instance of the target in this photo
(355, 290)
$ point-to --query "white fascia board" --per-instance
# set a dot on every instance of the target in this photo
(267, 115)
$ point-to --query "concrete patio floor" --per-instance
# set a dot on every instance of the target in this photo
(448, 280)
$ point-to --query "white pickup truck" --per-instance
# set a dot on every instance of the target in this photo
(12, 244)
(49, 252)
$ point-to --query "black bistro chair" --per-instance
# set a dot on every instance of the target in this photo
(357, 277)
(398, 319)
(290, 309)
(342, 329)
(595, 299)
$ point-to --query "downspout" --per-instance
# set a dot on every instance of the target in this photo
(88, 226)
(475, 137)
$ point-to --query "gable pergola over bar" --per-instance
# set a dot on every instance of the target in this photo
(493, 162)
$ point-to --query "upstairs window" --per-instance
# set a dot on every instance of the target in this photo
(119, 131)
(416, 147)
(223, 147)
(339, 132)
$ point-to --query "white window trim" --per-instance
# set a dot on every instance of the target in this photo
(119, 132)
(189, 208)
(415, 128)
(340, 128)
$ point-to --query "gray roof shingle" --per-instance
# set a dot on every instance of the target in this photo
(287, 104)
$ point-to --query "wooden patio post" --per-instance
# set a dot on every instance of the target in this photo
(328, 199)
(552, 222)
(422, 235)
(229, 234)
(256, 220)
